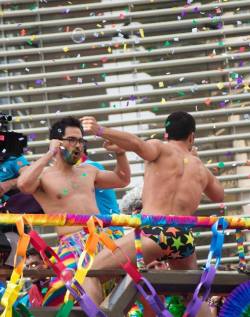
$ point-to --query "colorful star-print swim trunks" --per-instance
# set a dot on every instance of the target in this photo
(177, 243)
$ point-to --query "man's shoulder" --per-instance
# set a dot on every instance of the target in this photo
(156, 143)
(157, 147)
(166, 147)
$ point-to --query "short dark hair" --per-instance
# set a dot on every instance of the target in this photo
(31, 252)
(57, 130)
(179, 125)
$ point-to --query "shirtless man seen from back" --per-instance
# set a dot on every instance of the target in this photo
(174, 181)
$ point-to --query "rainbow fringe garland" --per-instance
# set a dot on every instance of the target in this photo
(124, 220)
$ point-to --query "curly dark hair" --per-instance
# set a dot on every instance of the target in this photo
(57, 130)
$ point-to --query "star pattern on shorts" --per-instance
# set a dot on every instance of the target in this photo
(190, 238)
(176, 255)
(172, 230)
(177, 243)
(162, 238)
(168, 251)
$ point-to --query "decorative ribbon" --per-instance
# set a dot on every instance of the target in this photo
(62, 271)
(206, 281)
(138, 246)
(65, 309)
(151, 296)
(85, 302)
(89, 250)
(126, 220)
(241, 252)
(74, 283)
(24, 312)
(216, 242)
(208, 275)
(16, 280)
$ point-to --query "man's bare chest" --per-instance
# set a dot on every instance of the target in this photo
(59, 186)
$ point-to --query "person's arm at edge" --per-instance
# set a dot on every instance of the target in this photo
(214, 190)
(9, 184)
(118, 178)
(148, 150)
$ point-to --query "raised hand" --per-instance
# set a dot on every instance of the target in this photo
(54, 146)
(91, 126)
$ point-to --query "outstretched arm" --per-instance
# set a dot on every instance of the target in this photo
(9, 184)
(148, 150)
(29, 180)
(118, 178)
(214, 190)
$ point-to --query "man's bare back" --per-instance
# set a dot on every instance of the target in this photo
(174, 182)
(174, 178)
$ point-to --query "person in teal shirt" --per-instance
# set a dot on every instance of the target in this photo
(9, 171)
(106, 201)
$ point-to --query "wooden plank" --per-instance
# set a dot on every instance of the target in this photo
(120, 299)
(168, 282)
(52, 311)
(186, 281)
(6, 273)
(164, 280)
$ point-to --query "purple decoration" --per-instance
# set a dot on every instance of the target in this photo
(86, 303)
(132, 98)
(229, 154)
(152, 298)
(31, 136)
(220, 25)
(239, 80)
(38, 81)
(196, 10)
(183, 14)
(205, 283)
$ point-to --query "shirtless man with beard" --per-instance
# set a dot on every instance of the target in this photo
(174, 181)
(66, 188)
